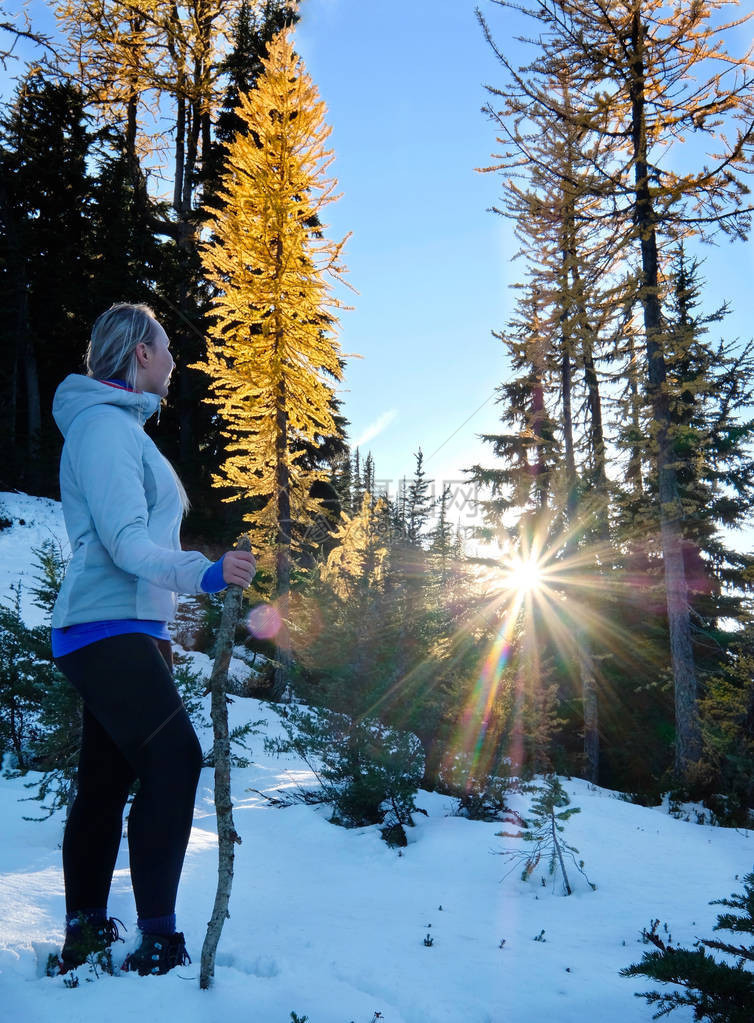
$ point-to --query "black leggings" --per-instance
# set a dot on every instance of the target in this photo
(135, 726)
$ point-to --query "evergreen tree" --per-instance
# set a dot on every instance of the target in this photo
(342, 478)
(398, 510)
(345, 671)
(357, 485)
(727, 714)
(21, 686)
(133, 59)
(129, 259)
(254, 28)
(75, 240)
(530, 452)
(419, 503)
(368, 478)
(710, 393)
(549, 811)
(47, 260)
(666, 83)
(457, 697)
(40, 712)
(273, 336)
(717, 990)
(406, 644)
(441, 544)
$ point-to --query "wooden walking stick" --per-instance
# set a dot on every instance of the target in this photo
(227, 837)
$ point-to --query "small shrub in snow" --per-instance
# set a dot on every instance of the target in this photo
(485, 799)
(192, 686)
(237, 738)
(544, 833)
(21, 682)
(368, 772)
(40, 713)
(729, 810)
(57, 745)
(50, 563)
(35, 695)
(479, 796)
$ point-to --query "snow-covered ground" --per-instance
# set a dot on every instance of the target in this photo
(331, 923)
(35, 520)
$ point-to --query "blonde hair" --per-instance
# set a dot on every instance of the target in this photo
(186, 504)
(112, 353)
(115, 336)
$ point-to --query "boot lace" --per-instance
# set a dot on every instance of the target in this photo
(110, 929)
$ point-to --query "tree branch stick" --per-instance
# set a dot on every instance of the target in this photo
(227, 836)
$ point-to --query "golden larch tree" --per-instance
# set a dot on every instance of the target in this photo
(272, 345)
(359, 558)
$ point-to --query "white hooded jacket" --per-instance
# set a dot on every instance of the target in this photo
(122, 510)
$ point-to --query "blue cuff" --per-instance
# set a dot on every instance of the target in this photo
(212, 580)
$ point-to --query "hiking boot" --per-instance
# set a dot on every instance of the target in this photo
(86, 938)
(157, 954)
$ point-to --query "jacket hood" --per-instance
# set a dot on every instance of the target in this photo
(78, 393)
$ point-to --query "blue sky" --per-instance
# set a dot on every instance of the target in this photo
(404, 87)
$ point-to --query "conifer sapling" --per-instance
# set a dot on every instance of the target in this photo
(544, 832)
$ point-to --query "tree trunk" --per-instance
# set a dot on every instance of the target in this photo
(33, 402)
(688, 735)
(180, 152)
(590, 707)
(582, 640)
(282, 670)
(283, 555)
(633, 473)
(570, 458)
(25, 358)
(556, 843)
(596, 431)
(538, 415)
(227, 837)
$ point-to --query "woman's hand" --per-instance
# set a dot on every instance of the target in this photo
(239, 568)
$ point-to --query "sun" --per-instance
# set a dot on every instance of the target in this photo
(524, 575)
(519, 576)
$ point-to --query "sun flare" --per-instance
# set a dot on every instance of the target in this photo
(524, 575)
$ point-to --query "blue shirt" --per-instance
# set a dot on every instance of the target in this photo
(74, 637)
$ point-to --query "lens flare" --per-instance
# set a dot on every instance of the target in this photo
(524, 575)
(543, 615)
(263, 621)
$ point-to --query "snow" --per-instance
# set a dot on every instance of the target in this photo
(331, 923)
(34, 521)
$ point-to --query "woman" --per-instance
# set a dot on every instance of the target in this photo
(123, 504)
